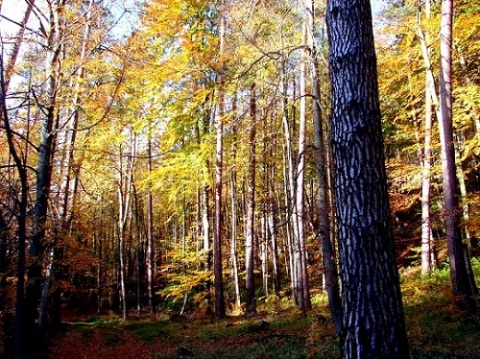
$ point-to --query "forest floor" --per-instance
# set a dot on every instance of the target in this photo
(436, 329)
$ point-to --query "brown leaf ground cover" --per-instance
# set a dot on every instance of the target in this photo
(234, 337)
(436, 330)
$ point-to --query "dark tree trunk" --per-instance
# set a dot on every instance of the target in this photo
(46, 146)
(19, 329)
(373, 322)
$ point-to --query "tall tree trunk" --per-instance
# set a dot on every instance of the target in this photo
(271, 211)
(44, 168)
(217, 233)
(324, 208)
(150, 245)
(431, 98)
(463, 285)
(250, 211)
(299, 208)
(234, 222)
(427, 240)
(21, 217)
(373, 322)
(124, 188)
(288, 175)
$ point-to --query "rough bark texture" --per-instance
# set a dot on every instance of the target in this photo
(373, 323)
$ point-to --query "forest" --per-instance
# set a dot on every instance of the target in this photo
(224, 179)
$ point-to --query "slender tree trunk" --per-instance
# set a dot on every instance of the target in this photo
(299, 209)
(288, 185)
(217, 233)
(373, 322)
(324, 210)
(125, 180)
(463, 285)
(16, 46)
(272, 219)
(150, 245)
(431, 97)
(44, 169)
(19, 329)
(427, 244)
(250, 211)
(234, 224)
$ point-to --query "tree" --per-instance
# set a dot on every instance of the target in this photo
(217, 233)
(373, 323)
(44, 170)
(430, 93)
(463, 284)
(324, 211)
(250, 212)
(21, 217)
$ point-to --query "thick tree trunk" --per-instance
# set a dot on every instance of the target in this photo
(463, 284)
(373, 323)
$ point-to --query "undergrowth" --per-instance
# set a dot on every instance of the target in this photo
(436, 330)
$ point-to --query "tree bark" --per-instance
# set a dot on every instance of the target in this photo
(44, 168)
(16, 46)
(299, 208)
(463, 284)
(150, 245)
(19, 337)
(373, 322)
(124, 190)
(431, 98)
(250, 212)
(323, 207)
(217, 233)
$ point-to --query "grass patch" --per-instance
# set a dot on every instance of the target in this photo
(436, 327)
(149, 331)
